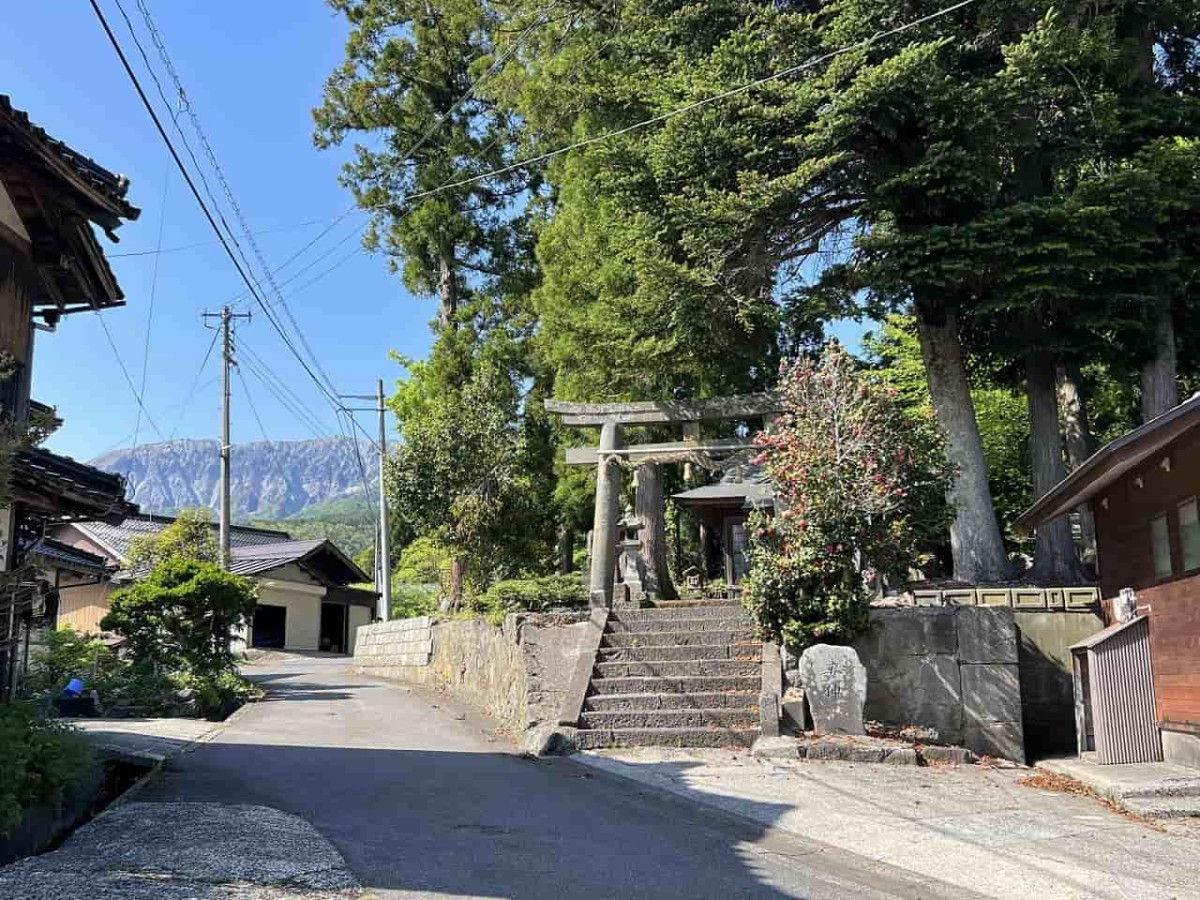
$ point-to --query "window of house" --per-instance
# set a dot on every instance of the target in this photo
(1160, 537)
(1189, 533)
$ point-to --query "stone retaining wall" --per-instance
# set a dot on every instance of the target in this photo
(952, 669)
(517, 673)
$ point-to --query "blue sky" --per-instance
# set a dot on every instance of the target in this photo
(253, 72)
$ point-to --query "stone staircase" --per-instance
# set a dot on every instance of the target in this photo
(677, 674)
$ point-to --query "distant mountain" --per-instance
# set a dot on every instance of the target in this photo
(269, 480)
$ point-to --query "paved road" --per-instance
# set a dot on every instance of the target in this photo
(424, 802)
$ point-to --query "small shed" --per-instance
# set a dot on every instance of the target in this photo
(1114, 694)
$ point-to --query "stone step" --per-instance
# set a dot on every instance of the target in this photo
(599, 738)
(669, 668)
(686, 685)
(725, 610)
(676, 638)
(701, 603)
(704, 700)
(681, 652)
(670, 718)
(1165, 807)
(668, 626)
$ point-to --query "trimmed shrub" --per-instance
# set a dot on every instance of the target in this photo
(534, 594)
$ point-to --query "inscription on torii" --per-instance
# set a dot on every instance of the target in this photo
(611, 456)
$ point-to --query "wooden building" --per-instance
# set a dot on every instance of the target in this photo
(306, 594)
(1144, 489)
(722, 509)
(51, 266)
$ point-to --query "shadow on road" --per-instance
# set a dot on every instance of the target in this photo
(493, 824)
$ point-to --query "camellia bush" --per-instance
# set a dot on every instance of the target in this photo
(859, 483)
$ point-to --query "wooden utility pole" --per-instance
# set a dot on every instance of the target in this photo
(226, 317)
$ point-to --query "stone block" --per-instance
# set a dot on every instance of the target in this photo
(835, 685)
(866, 754)
(993, 596)
(775, 748)
(795, 715)
(957, 756)
(901, 756)
(914, 631)
(987, 635)
(825, 749)
(927, 598)
(1029, 598)
(1002, 739)
(768, 715)
(991, 693)
(959, 597)
(1081, 598)
(913, 690)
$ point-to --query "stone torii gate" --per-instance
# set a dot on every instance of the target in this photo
(611, 456)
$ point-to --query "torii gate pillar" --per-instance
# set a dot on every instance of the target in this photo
(604, 523)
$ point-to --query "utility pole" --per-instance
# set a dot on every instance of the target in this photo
(227, 317)
(383, 557)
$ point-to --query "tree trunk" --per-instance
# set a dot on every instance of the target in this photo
(454, 590)
(1160, 391)
(1077, 434)
(975, 541)
(1054, 560)
(447, 291)
(648, 505)
(566, 547)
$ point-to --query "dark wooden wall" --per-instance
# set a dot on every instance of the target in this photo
(1124, 512)
(1127, 560)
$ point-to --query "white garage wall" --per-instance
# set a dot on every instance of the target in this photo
(359, 615)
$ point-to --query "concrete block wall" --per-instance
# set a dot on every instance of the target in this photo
(388, 649)
(953, 669)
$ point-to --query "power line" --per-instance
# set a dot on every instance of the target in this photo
(186, 105)
(162, 221)
(669, 114)
(250, 402)
(278, 386)
(283, 401)
(166, 138)
(195, 381)
(196, 244)
(129, 380)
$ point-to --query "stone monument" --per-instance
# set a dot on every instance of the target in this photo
(835, 685)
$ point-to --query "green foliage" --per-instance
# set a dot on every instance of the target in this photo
(190, 536)
(42, 762)
(348, 523)
(181, 616)
(424, 561)
(534, 594)
(859, 483)
(894, 355)
(462, 478)
(410, 600)
(68, 654)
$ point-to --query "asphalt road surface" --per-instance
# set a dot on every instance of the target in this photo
(424, 801)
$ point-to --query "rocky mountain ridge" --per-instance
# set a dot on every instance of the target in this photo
(270, 480)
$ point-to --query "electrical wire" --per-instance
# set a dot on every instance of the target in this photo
(195, 381)
(197, 244)
(208, 215)
(162, 221)
(186, 106)
(128, 379)
(250, 402)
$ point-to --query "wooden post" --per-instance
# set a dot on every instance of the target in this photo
(604, 523)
